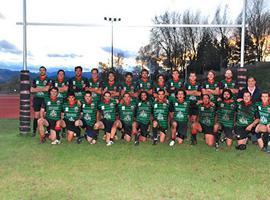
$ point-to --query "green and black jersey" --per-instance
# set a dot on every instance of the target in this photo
(108, 110)
(211, 86)
(110, 87)
(41, 83)
(96, 85)
(144, 86)
(193, 87)
(180, 110)
(246, 114)
(78, 87)
(224, 84)
(207, 115)
(264, 113)
(126, 112)
(52, 108)
(71, 113)
(127, 87)
(160, 113)
(59, 84)
(143, 112)
(157, 87)
(173, 86)
(89, 112)
(226, 113)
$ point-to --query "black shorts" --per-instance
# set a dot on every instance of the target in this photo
(161, 129)
(181, 129)
(207, 129)
(143, 128)
(52, 124)
(90, 132)
(107, 125)
(228, 131)
(37, 102)
(70, 126)
(127, 128)
(241, 132)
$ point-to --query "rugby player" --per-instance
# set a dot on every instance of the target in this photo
(111, 85)
(126, 110)
(160, 115)
(89, 117)
(71, 111)
(174, 84)
(40, 87)
(94, 85)
(107, 109)
(225, 117)
(247, 118)
(128, 86)
(78, 83)
(50, 116)
(179, 109)
(206, 121)
(143, 116)
(263, 128)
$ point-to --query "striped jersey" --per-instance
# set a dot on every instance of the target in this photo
(92, 84)
(160, 113)
(126, 112)
(78, 87)
(180, 110)
(71, 113)
(38, 83)
(246, 114)
(173, 87)
(226, 113)
(264, 113)
(89, 112)
(52, 108)
(108, 110)
(58, 84)
(143, 112)
(206, 115)
(191, 87)
(211, 86)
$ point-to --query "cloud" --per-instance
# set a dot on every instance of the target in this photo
(56, 55)
(7, 47)
(2, 16)
(121, 52)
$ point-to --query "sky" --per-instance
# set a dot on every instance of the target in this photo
(66, 47)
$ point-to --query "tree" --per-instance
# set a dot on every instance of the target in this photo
(258, 19)
(221, 36)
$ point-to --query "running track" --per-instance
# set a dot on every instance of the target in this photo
(9, 106)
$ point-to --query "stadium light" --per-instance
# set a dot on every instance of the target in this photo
(112, 20)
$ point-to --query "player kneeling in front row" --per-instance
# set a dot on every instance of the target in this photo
(143, 112)
(71, 119)
(126, 110)
(89, 117)
(179, 109)
(52, 107)
(160, 114)
(206, 121)
(263, 128)
(107, 108)
(246, 120)
(225, 115)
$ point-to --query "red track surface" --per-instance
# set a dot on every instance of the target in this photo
(10, 106)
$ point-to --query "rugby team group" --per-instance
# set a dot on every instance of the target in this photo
(147, 109)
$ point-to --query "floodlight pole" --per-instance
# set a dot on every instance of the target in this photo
(112, 19)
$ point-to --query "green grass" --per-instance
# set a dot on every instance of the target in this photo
(29, 170)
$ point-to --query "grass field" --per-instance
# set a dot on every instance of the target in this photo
(29, 170)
